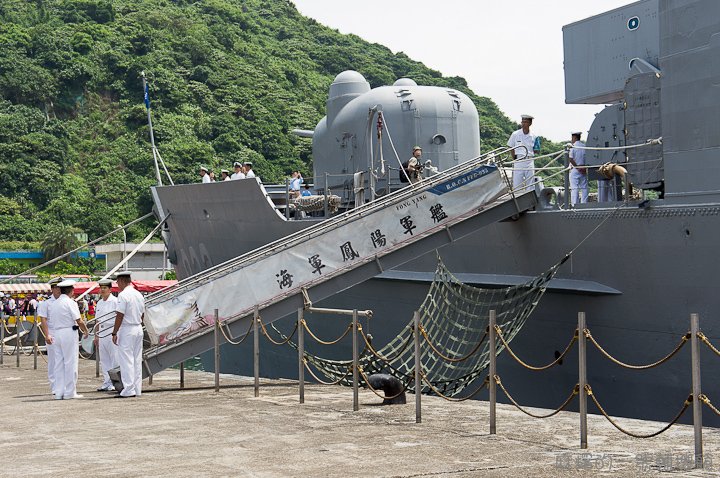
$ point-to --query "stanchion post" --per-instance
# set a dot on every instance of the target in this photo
(418, 366)
(2, 338)
(182, 374)
(17, 339)
(492, 385)
(35, 345)
(301, 355)
(256, 350)
(697, 404)
(217, 352)
(96, 346)
(582, 379)
(356, 401)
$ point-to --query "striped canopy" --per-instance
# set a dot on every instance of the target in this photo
(25, 288)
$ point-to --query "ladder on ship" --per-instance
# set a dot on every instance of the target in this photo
(194, 293)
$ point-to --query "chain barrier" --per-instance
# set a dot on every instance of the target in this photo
(686, 404)
(445, 357)
(229, 340)
(283, 342)
(307, 367)
(452, 399)
(367, 382)
(323, 342)
(575, 391)
(531, 367)
(683, 341)
(704, 398)
(707, 342)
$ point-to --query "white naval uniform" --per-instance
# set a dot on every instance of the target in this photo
(524, 165)
(206, 178)
(239, 175)
(63, 314)
(105, 312)
(42, 311)
(129, 340)
(578, 181)
(250, 174)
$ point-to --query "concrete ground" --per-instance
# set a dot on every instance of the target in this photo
(169, 432)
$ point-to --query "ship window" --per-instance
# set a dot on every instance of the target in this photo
(439, 139)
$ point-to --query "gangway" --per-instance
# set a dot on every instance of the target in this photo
(327, 258)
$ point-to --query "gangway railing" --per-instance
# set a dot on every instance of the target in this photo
(502, 204)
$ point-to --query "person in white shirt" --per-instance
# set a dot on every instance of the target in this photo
(65, 316)
(204, 175)
(238, 174)
(47, 327)
(578, 174)
(224, 175)
(105, 315)
(295, 183)
(248, 170)
(127, 334)
(525, 145)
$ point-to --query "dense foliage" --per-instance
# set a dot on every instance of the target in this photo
(229, 80)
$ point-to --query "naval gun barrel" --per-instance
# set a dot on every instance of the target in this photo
(303, 133)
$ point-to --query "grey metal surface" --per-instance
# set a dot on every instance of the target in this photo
(642, 121)
(598, 51)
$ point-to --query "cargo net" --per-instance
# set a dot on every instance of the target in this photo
(454, 342)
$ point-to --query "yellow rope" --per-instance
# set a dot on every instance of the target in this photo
(706, 401)
(531, 367)
(264, 331)
(575, 391)
(387, 360)
(323, 342)
(307, 367)
(231, 342)
(383, 396)
(686, 404)
(451, 399)
(683, 340)
(707, 342)
(445, 357)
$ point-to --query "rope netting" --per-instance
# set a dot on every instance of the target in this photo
(454, 326)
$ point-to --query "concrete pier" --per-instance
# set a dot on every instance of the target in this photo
(173, 432)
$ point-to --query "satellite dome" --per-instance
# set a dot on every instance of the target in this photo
(405, 82)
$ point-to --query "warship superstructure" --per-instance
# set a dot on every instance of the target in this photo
(641, 263)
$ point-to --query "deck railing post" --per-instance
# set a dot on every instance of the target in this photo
(356, 401)
(582, 376)
(217, 352)
(301, 354)
(256, 350)
(492, 385)
(2, 338)
(96, 347)
(182, 374)
(418, 368)
(35, 344)
(18, 344)
(697, 404)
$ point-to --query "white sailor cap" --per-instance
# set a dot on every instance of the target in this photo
(105, 282)
(123, 274)
(55, 281)
(576, 133)
(527, 117)
(66, 283)
(237, 164)
(203, 168)
(225, 171)
(248, 163)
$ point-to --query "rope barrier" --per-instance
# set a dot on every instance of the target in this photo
(531, 367)
(367, 382)
(265, 332)
(575, 391)
(230, 341)
(707, 342)
(307, 367)
(704, 398)
(684, 339)
(452, 399)
(686, 404)
(445, 357)
(387, 360)
(323, 342)
(649, 142)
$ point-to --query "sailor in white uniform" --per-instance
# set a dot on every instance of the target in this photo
(47, 327)
(205, 175)
(128, 334)
(65, 316)
(525, 147)
(238, 174)
(578, 174)
(248, 170)
(105, 314)
(224, 175)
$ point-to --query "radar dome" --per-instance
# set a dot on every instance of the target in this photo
(405, 82)
(349, 83)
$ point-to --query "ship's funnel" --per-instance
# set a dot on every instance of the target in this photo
(347, 86)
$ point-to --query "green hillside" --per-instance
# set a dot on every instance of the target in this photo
(229, 80)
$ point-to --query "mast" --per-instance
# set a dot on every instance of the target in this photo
(152, 135)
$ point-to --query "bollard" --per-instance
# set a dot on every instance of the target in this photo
(217, 352)
(96, 344)
(256, 350)
(35, 345)
(418, 366)
(2, 338)
(182, 374)
(492, 385)
(301, 355)
(582, 372)
(697, 404)
(17, 339)
(356, 404)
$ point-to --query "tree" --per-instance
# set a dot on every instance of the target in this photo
(58, 240)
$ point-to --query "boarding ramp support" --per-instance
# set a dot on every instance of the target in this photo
(504, 205)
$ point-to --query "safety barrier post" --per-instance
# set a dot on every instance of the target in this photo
(325, 192)
(217, 352)
(96, 346)
(566, 179)
(356, 404)
(2, 338)
(493, 371)
(697, 404)
(35, 345)
(301, 355)
(287, 198)
(582, 372)
(418, 365)
(256, 350)
(17, 339)
(182, 374)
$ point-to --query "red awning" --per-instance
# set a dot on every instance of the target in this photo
(140, 285)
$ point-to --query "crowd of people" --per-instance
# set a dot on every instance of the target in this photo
(241, 171)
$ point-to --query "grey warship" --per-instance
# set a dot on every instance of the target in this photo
(641, 264)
